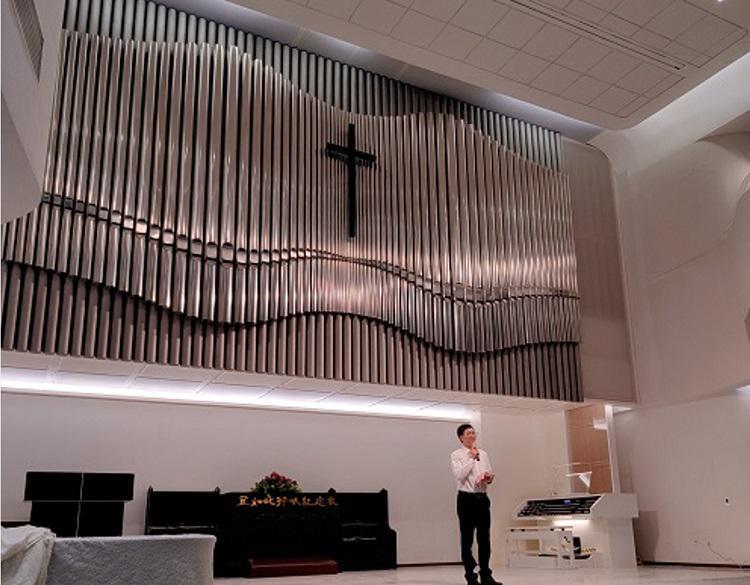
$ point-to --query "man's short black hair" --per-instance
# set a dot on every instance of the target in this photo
(462, 429)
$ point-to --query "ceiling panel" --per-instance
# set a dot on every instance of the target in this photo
(403, 405)
(583, 55)
(346, 401)
(614, 99)
(455, 42)
(676, 19)
(651, 39)
(550, 42)
(519, 48)
(379, 15)
(479, 16)
(618, 25)
(640, 11)
(613, 67)
(103, 380)
(180, 386)
(417, 28)
(705, 33)
(555, 79)
(490, 55)
(516, 28)
(524, 68)
(232, 392)
(643, 78)
(340, 8)
(441, 9)
(250, 379)
(585, 89)
(316, 384)
(36, 373)
(279, 396)
(586, 10)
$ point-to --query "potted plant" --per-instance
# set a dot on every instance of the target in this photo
(276, 484)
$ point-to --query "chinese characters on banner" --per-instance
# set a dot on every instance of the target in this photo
(282, 501)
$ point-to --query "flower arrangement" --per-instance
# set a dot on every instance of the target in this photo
(276, 484)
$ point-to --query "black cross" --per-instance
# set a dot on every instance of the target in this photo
(352, 157)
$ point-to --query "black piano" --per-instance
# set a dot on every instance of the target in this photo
(350, 528)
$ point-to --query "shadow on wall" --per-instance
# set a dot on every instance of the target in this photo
(19, 185)
(646, 534)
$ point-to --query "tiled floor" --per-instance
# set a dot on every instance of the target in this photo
(454, 576)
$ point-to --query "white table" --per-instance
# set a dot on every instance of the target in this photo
(132, 560)
(558, 535)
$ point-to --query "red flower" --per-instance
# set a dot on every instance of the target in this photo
(274, 483)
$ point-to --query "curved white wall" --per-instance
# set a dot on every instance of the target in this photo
(686, 244)
(688, 263)
(684, 214)
(690, 200)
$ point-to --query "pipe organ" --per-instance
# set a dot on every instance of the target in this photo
(190, 216)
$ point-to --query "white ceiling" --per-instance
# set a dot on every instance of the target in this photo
(38, 373)
(606, 63)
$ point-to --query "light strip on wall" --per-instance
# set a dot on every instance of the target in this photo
(34, 385)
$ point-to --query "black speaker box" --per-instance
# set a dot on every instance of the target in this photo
(60, 517)
(101, 519)
(53, 486)
(79, 504)
(108, 486)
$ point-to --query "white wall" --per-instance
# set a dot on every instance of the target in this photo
(686, 221)
(702, 458)
(174, 446)
(684, 212)
(195, 447)
(523, 451)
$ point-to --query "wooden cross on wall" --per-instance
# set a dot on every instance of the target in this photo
(353, 158)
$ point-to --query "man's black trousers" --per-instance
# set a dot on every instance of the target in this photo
(474, 515)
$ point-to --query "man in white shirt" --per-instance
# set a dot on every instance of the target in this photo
(473, 473)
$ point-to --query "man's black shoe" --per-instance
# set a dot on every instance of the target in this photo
(490, 581)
